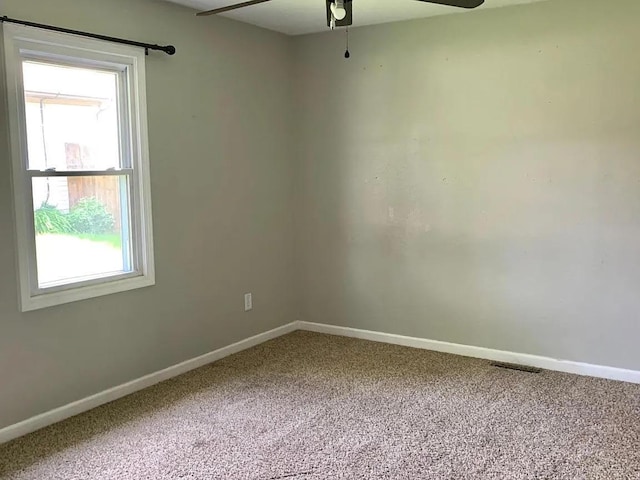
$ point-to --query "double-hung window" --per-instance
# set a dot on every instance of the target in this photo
(77, 118)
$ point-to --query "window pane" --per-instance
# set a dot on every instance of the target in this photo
(82, 228)
(72, 117)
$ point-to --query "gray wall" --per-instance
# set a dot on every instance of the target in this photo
(476, 179)
(473, 178)
(219, 127)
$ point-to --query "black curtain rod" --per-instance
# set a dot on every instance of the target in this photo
(168, 49)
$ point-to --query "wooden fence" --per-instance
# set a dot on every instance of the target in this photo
(105, 189)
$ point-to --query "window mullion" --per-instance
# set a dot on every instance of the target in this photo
(79, 173)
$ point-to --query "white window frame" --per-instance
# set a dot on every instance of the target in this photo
(22, 42)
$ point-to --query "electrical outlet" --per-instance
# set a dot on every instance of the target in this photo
(248, 302)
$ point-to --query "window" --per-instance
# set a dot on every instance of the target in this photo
(77, 115)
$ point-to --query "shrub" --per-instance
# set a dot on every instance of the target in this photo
(90, 215)
(48, 219)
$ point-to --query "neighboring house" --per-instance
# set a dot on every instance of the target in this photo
(91, 142)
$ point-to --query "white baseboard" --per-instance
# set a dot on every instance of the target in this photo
(546, 363)
(53, 416)
(80, 406)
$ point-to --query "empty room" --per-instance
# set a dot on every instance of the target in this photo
(319, 239)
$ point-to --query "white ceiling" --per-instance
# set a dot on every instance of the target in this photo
(296, 17)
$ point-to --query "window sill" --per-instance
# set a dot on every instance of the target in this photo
(45, 300)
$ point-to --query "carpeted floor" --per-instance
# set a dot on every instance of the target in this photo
(310, 406)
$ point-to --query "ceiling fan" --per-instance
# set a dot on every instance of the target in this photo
(340, 12)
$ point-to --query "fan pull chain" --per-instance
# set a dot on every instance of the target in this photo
(347, 54)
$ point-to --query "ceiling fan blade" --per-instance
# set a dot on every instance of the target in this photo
(456, 3)
(230, 7)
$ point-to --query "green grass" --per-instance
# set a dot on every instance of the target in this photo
(113, 239)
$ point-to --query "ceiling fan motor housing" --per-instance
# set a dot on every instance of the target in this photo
(347, 20)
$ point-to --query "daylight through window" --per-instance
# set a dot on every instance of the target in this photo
(80, 167)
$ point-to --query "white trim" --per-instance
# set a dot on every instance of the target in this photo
(57, 415)
(108, 286)
(53, 416)
(129, 63)
(567, 366)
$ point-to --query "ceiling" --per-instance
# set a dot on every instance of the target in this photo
(297, 17)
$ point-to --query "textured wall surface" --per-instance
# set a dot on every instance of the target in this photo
(219, 127)
(476, 179)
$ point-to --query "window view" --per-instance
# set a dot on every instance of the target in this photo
(80, 184)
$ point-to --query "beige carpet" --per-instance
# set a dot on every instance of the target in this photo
(309, 406)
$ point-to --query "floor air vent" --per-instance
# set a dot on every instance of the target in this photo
(513, 366)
